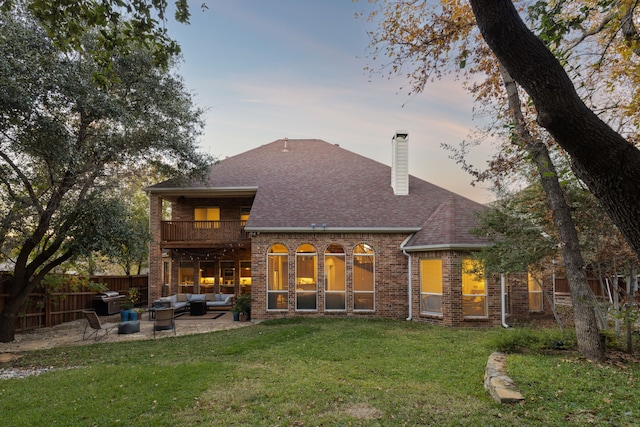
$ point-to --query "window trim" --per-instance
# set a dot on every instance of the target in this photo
(343, 292)
(284, 292)
(300, 291)
(422, 293)
(371, 253)
(475, 295)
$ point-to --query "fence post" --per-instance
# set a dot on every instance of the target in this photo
(47, 308)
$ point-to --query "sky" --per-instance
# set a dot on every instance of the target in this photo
(269, 69)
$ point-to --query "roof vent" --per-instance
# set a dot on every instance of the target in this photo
(286, 142)
(400, 163)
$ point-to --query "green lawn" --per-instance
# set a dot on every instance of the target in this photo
(315, 372)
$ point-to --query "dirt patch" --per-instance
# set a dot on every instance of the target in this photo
(363, 411)
(9, 357)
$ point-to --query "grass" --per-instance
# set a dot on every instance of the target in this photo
(317, 372)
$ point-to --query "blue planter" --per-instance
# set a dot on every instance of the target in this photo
(133, 316)
(124, 315)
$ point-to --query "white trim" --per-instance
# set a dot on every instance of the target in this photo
(409, 279)
(445, 246)
(320, 228)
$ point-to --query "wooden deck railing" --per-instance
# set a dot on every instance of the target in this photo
(204, 231)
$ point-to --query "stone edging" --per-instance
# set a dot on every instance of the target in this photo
(500, 386)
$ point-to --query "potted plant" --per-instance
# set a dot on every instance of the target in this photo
(243, 305)
(125, 309)
(236, 312)
(133, 296)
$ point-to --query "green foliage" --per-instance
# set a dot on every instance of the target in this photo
(121, 26)
(243, 304)
(552, 26)
(313, 372)
(519, 339)
(519, 230)
(67, 144)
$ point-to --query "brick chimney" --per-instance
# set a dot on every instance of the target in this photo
(400, 163)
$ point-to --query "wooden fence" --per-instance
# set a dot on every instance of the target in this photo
(46, 308)
(600, 290)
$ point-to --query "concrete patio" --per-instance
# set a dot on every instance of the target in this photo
(70, 333)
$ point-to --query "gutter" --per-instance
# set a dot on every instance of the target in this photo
(316, 228)
(503, 303)
(409, 281)
(448, 246)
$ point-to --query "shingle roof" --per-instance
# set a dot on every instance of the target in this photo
(314, 182)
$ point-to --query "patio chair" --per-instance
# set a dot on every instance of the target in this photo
(164, 320)
(93, 322)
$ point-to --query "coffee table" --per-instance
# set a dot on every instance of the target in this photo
(198, 308)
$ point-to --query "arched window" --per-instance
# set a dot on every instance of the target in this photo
(335, 278)
(363, 277)
(306, 278)
(278, 277)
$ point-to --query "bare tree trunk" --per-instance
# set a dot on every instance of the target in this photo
(600, 157)
(583, 300)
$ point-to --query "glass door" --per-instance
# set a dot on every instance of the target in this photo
(227, 277)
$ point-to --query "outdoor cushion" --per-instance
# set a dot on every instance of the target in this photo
(182, 297)
(195, 297)
(172, 299)
(228, 299)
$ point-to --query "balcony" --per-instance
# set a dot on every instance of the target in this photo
(180, 234)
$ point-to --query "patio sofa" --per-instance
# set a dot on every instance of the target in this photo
(181, 302)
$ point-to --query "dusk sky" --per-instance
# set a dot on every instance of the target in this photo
(266, 70)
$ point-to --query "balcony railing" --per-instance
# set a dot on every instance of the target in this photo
(212, 232)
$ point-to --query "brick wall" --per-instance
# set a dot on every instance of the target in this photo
(390, 272)
(155, 252)
(230, 207)
(452, 292)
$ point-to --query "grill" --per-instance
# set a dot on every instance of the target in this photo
(108, 302)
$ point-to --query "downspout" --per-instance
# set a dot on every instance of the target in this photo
(503, 303)
(409, 282)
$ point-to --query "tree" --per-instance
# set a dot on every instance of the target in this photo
(583, 300)
(433, 41)
(65, 142)
(602, 158)
(117, 25)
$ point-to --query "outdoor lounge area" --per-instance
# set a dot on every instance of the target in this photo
(196, 304)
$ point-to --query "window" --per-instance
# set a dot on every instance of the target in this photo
(245, 272)
(278, 277)
(244, 214)
(535, 293)
(306, 278)
(227, 277)
(431, 286)
(474, 289)
(363, 277)
(206, 215)
(207, 277)
(335, 278)
(185, 277)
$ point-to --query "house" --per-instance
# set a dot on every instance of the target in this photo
(311, 229)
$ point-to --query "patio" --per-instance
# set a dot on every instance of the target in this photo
(70, 333)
